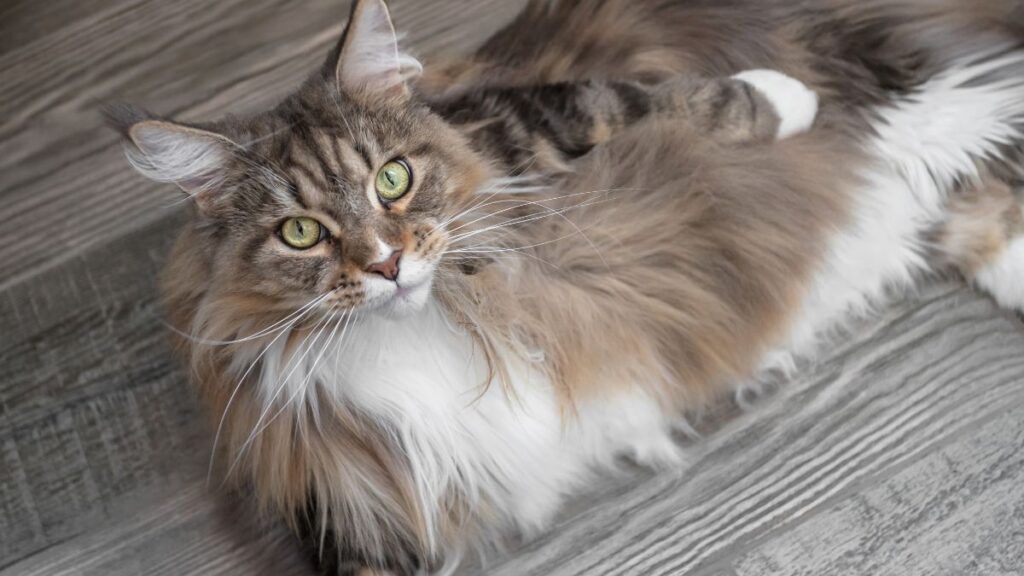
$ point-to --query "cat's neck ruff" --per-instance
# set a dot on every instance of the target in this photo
(418, 358)
(424, 378)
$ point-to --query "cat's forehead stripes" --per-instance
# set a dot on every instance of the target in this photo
(309, 167)
(323, 165)
(327, 149)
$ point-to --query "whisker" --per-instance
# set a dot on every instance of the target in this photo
(469, 209)
(535, 217)
(521, 204)
(343, 116)
(301, 388)
(519, 250)
(246, 145)
(522, 249)
(496, 186)
(541, 204)
(528, 218)
(234, 392)
(298, 358)
(268, 330)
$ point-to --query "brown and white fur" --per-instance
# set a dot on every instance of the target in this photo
(521, 351)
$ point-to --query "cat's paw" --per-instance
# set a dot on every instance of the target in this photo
(795, 103)
(658, 452)
(1003, 276)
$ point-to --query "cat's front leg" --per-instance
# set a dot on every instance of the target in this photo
(753, 106)
(795, 104)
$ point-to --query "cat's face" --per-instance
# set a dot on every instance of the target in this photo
(340, 195)
(348, 200)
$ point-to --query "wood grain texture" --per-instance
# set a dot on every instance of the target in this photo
(93, 403)
(186, 530)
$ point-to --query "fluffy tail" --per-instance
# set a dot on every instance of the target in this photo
(968, 117)
(933, 145)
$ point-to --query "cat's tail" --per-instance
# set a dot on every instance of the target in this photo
(952, 153)
(930, 195)
(974, 139)
(966, 118)
(983, 237)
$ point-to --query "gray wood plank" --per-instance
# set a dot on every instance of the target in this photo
(187, 530)
(958, 511)
(25, 21)
(93, 405)
(189, 58)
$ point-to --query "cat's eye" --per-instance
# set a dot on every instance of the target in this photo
(301, 233)
(393, 180)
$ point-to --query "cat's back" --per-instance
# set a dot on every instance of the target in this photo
(661, 243)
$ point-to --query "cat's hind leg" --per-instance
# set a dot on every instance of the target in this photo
(983, 236)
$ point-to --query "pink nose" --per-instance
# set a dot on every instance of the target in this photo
(387, 268)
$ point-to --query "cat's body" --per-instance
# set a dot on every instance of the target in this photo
(573, 320)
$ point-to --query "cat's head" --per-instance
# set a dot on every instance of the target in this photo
(340, 192)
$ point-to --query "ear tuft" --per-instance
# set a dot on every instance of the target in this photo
(121, 117)
(368, 55)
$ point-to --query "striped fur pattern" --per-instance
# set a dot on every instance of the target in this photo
(540, 128)
(594, 241)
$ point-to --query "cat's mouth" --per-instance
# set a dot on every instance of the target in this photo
(407, 298)
(406, 290)
(401, 297)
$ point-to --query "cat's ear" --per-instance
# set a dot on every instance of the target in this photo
(196, 160)
(367, 59)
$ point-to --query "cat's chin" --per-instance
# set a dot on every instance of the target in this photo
(402, 301)
(407, 302)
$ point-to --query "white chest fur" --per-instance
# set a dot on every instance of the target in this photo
(424, 378)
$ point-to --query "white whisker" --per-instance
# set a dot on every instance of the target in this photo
(521, 204)
(494, 187)
(248, 370)
(301, 388)
(529, 218)
(298, 358)
(264, 332)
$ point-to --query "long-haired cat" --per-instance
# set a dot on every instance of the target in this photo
(423, 311)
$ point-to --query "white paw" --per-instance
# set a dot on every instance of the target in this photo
(796, 104)
(1003, 278)
(658, 451)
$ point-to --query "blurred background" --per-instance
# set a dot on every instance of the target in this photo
(900, 453)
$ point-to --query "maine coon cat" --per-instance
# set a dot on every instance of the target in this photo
(423, 312)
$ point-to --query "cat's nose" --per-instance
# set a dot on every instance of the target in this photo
(388, 267)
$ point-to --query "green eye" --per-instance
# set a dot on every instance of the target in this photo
(393, 180)
(301, 233)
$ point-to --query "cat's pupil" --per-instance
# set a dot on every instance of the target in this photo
(300, 229)
(390, 175)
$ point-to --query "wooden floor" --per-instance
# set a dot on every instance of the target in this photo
(899, 453)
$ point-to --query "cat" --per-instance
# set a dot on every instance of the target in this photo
(424, 311)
